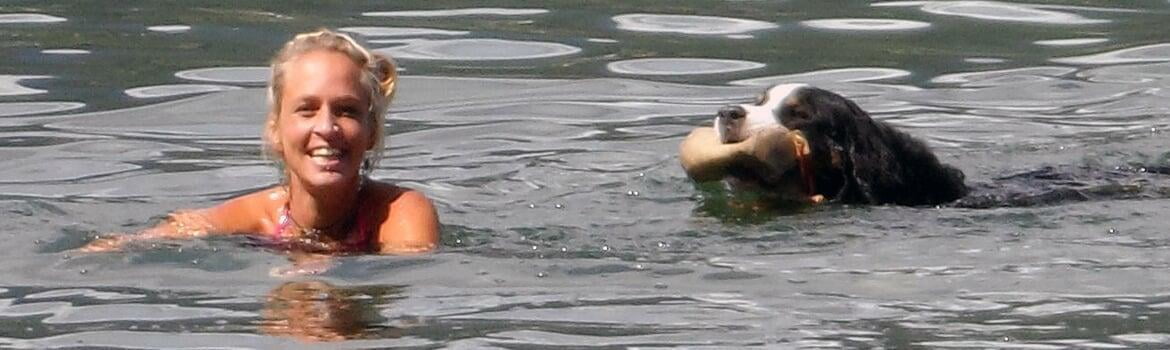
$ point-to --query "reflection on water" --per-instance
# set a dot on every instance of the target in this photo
(683, 24)
(459, 12)
(14, 18)
(478, 49)
(319, 311)
(547, 138)
(865, 24)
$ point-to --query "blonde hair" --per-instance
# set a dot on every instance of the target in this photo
(379, 78)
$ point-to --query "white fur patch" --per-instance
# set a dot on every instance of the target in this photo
(762, 116)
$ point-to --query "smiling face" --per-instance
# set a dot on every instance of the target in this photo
(321, 129)
(738, 122)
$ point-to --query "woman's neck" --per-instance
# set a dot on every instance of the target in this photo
(323, 208)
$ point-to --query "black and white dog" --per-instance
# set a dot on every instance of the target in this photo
(851, 158)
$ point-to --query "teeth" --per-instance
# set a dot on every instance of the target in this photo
(324, 152)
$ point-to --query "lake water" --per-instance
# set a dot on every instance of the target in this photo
(546, 132)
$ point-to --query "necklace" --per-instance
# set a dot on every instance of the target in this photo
(286, 219)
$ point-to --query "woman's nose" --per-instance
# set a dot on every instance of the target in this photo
(325, 123)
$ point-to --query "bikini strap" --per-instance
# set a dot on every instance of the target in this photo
(360, 236)
(283, 221)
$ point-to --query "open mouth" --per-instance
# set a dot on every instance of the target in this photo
(327, 157)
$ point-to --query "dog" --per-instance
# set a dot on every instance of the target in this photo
(841, 154)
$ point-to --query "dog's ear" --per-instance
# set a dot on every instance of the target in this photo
(872, 167)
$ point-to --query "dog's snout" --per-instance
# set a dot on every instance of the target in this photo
(732, 112)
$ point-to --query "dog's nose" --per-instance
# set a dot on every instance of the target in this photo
(732, 112)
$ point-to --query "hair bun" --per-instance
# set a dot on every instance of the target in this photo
(386, 72)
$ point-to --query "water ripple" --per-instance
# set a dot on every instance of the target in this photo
(378, 32)
(1004, 77)
(11, 109)
(1071, 42)
(688, 24)
(1140, 54)
(865, 24)
(479, 50)
(170, 29)
(830, 75)
(239, 75)
(175, 90)
(10, 85)
(680, 66)
(13, 18)
(65, 52)
(997, 11)
(485, 11)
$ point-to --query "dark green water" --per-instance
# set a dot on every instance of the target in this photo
(546, 133)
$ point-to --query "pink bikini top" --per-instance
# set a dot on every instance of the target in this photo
(359, 239)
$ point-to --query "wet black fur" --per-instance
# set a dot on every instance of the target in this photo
(857, 159)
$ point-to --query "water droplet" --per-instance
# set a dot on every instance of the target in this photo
(605, 248)
(38, 242)
(531, 206)
(663, 244)
(66, 257)
(214, 249)
(83, 271)
(564, 249)
(534, 247)
(1154, 129)
(660, 285)
(1111, 231)
(28, 329)
(559, 206)
(459, 241)
(639, 267)
(632, 193)
(1060, 148)
(195, 262)
(179, 250)
(541, 275)
(641, 174)
(1141, 170)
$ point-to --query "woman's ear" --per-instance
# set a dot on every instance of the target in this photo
(272, 136)
(387, 73)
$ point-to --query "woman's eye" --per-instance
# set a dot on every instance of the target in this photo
(304, 112)
(760, 99)
(349, 112)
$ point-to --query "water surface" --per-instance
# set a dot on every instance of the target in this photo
(547, 136)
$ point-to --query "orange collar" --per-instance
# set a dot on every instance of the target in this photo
(802, 153)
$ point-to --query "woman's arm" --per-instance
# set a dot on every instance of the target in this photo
(245, 214)
(411, 225)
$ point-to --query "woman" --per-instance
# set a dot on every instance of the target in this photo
(327, 101)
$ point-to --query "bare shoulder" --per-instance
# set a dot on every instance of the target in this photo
(409, 222)
(249, 213)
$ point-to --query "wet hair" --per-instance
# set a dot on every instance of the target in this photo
(379, 78)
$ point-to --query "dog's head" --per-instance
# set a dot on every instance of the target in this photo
(736, 123)
(852, 157)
